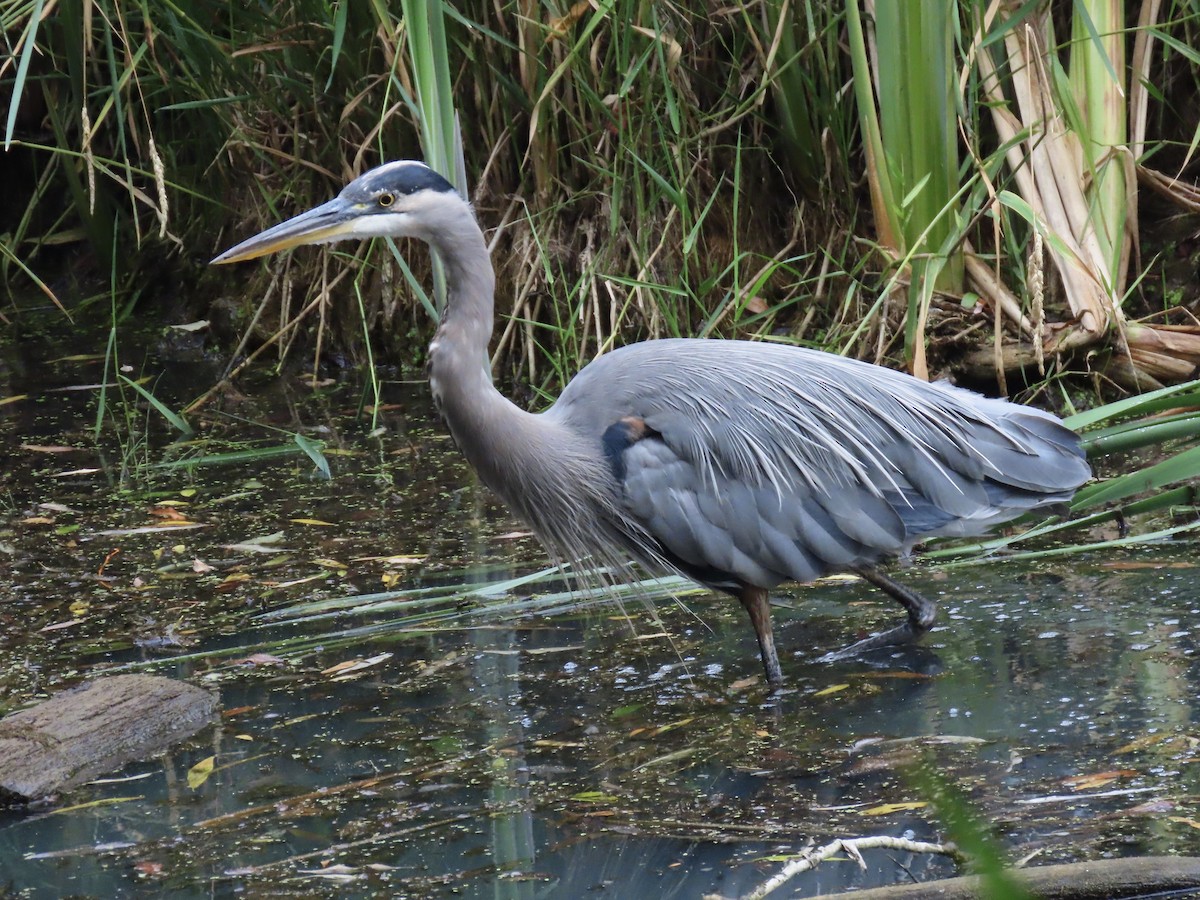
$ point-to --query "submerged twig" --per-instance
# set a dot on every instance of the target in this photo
(853, 848)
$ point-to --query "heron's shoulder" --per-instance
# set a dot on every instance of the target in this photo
(708, 356)
(698, 367)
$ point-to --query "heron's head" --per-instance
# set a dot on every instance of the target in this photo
(398, 199)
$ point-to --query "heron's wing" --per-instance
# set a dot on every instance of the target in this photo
(765, 462)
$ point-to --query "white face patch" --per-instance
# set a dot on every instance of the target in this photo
(379, 225)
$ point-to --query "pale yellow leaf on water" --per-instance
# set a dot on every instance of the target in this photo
(1096, 779)
(200, 566)
(92, 804)
(887, 809)
(742, 683)
(260, 659)
(57, 625)
(243, 737)
(837, 577)
(563, 648)
(191, 326)
(72, 472)
(198, 774)
(188, 492)
(150, 529)
(4, 401)
(670, 726)
(1146, 740)
(390, 579)
(558, 744)
(48, 448)
(390, 560)
(356, 665)
(79, 607)
(344, 666)
(1191, 823)
(281, 585)
(330, 564)
(36, 520)
(832, 689)
(311, 522)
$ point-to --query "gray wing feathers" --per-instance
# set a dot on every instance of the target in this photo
(772, 463)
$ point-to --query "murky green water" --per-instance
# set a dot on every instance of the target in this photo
(606, 752)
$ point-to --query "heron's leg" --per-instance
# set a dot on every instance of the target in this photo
(755, 601)
(921, 615)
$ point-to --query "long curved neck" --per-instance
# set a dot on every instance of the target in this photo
(478, 415)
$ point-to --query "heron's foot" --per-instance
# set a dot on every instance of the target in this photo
(902, 634)
(922, 613)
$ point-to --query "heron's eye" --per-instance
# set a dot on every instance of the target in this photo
(386, 200)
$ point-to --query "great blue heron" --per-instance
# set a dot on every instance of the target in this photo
(737, 464)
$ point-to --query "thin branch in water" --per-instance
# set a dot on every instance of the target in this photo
(852, 847)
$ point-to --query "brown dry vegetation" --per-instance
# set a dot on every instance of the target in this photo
(644, 169)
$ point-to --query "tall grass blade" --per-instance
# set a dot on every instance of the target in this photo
(28, 45)
(312, 450)
(177, 421)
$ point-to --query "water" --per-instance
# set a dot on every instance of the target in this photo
(607, 752)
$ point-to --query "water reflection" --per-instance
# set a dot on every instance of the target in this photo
(608, 751)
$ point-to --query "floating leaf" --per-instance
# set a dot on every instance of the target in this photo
(198, 774)
(1098, 779)
(593, 797)
(58, 625)
(310, 522)
(93, 804)
(331, 564)
(1141, 743)
(355, 665)
(259, 659)
(199, 325)
(887, 809)
(832, 689)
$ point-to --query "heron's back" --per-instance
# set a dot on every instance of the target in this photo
(760, 463)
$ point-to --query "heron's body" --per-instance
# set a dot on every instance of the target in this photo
(739, 464)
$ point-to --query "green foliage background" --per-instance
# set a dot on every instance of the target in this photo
(645, 168)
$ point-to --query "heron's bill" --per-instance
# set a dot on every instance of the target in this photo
(328, 222)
